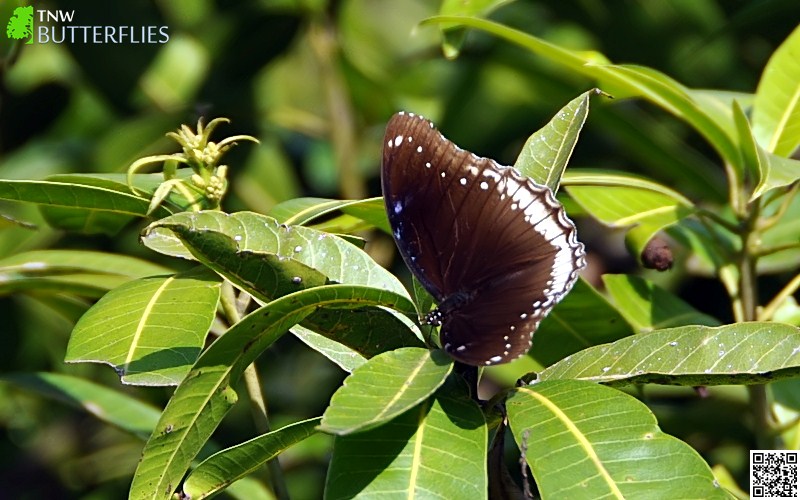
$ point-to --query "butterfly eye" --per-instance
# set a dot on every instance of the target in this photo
(494, 249)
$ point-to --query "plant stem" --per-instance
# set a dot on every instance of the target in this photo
(258, 408)
(258, 403)
(748, 294)
(341, 128)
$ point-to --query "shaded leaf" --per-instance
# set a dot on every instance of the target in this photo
(90, 285)
(113, 407)
(712, 250)
(568, 329)
(584, 440)
(118, 207)
(741, 353)
(753, 166)
(386, 386)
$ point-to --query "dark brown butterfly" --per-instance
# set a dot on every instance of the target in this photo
(494, 249)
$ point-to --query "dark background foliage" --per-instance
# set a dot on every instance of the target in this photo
(315, 82)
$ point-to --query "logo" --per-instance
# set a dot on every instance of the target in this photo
(61, 26)
(20, 26)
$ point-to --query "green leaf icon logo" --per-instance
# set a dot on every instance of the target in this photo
(21, 24)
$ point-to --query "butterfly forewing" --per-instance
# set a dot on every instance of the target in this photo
(494, 249)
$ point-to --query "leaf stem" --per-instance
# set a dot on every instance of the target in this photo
(784, 206)
(777, 248)
(769, 311)
(730, 226)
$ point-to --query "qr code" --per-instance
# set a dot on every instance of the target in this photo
(773, 474)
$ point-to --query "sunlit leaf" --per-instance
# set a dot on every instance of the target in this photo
(618, 80)
(776, 111)
(226, 466)
(741, 353)
(386, 386)
(621, 200)
(269, 260)
(586, 441)
(546, 153)
(435, 450)
(150, 330)
(205, 395)
(647, 306)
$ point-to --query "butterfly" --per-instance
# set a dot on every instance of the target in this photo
(495, 250)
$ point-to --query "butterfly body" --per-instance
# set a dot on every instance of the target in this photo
(494, 249)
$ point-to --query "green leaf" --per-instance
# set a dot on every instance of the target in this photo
(568, 329)
(371, 210)
(110, 201)
(113, 407)
(783, 234)
(269, 260)
(546, 153)
(45, 262)
(741, 353)
(111, 207)
(150, 330)
(224, 467)
(304, 211)
(695, 109)
(647, 306)
(386, 386)
(753, 166)
(259, 235)
(453, 38)
(779, 172)
(584, 440)
(92, 285)
(436, 450)
(620, 200)
(776, 110)
(618, 80)
(205, 395)
(347, 359)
